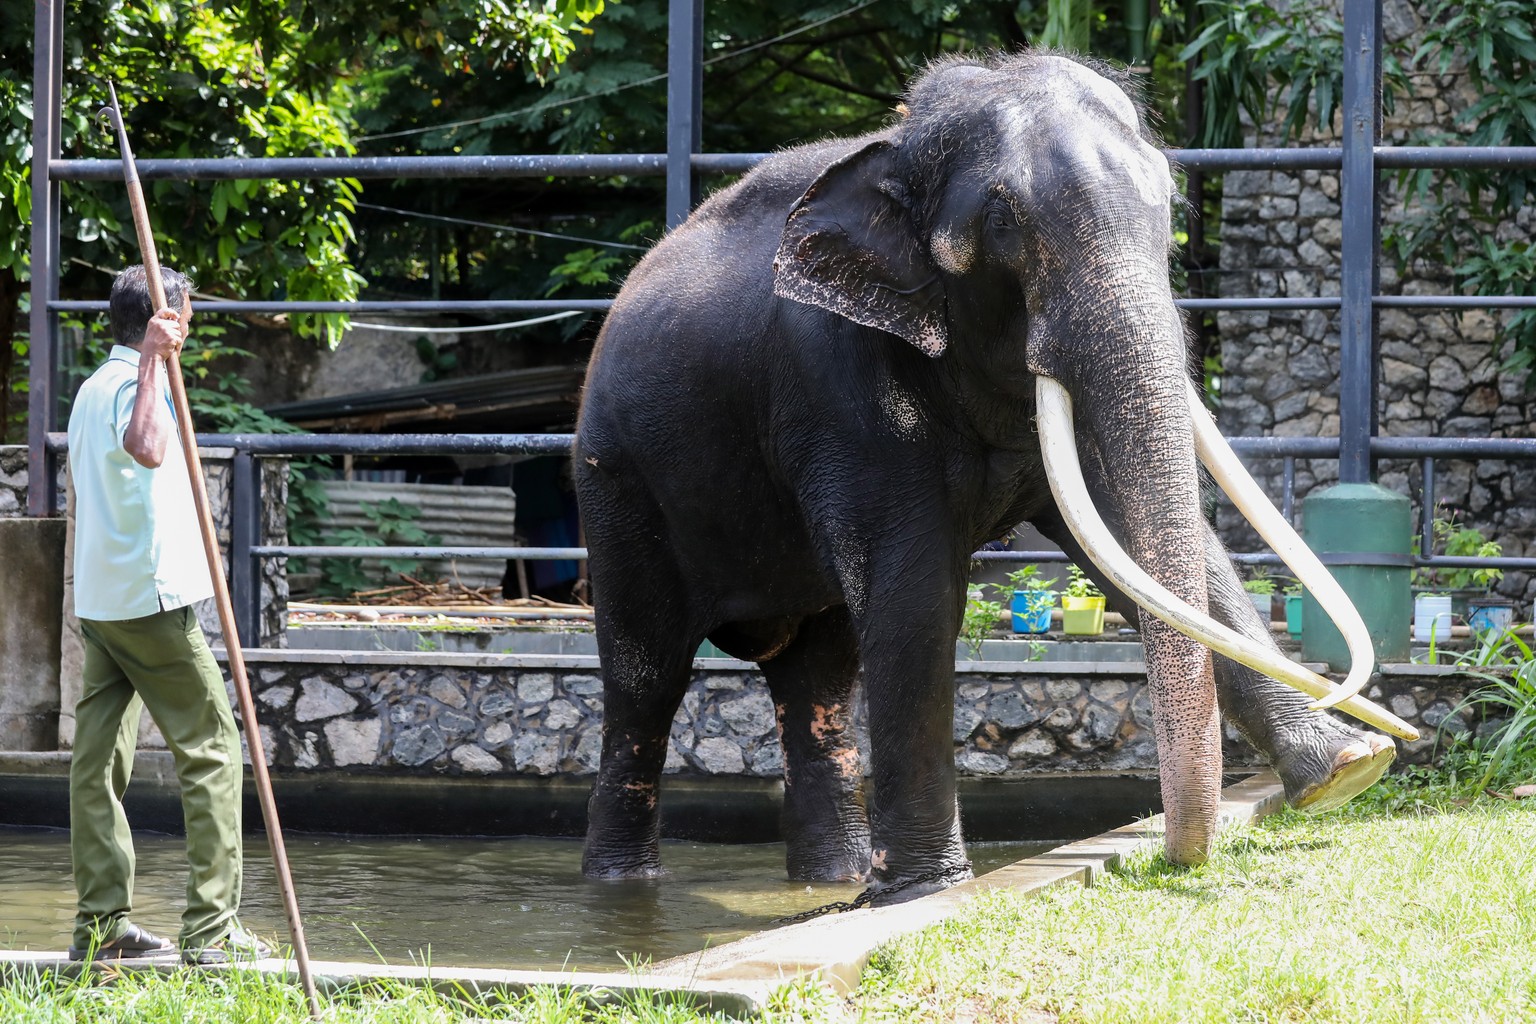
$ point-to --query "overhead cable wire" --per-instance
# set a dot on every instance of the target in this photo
(551, 104)
(503, 227)
(407, 329)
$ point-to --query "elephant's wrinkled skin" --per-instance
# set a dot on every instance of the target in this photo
(814, 399)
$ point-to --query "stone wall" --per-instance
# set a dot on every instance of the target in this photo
(542, 715)
(1440, 373)
(31, 560)
(13, 481)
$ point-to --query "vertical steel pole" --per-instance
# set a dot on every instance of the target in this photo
(1360, 275)
(244, 533)
(685, 102)
(42, 404)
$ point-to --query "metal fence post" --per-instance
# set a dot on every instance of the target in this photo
(685, 102)
(42, 405)
(1361, 223)
(244, 534)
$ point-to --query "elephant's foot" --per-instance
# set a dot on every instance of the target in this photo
(623, 834)
(888, 894)
(888, 889)
(824, 861)
(643, 860)
(617, 871)
(1355, 768)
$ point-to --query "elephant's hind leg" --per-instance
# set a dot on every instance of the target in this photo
(646, 659)
(811, 681)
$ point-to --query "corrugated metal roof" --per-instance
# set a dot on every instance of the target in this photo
(464, 516)
(541, 397)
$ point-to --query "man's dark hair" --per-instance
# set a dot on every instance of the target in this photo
(130, 308)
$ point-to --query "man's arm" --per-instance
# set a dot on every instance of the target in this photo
(150, 427)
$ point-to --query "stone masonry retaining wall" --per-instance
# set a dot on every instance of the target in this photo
(1440, 375)
(542, 715)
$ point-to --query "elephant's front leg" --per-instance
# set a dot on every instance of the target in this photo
(826, 831)
(908, 652)
(1321, 761)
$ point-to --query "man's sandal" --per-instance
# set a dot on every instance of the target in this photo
(133, 944)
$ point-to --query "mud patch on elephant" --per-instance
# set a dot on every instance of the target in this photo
(826, 721)
(644, 790)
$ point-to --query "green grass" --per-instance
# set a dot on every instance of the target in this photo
(1417, 903)
(1425, 916)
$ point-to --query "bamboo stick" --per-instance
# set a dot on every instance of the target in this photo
(188, 439)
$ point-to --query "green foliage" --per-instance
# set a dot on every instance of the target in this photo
(1039, 591)
(439, 364)
(1457, 540)
(1080, 585)
(271, 78)
(980, 619)
(1260, 582)
(1453, 215)
(1505, 268)
(1068, 24)
(393, 524)
(1030, 578)
(1505, 754)
(587, 267)
(1494, 41)
(1248, 55)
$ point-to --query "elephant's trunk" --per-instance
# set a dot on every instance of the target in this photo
(1143, 447)
(1151, 483)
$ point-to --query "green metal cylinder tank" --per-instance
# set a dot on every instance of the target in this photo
(1363, 533)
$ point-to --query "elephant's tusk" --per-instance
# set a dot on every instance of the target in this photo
(1256, 507)
(1059, 448)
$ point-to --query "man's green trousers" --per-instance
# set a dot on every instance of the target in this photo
(160, 662)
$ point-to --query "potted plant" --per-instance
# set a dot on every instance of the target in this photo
(1033, 597)
(1261, 591)
(1293, 609)
(1461, 592)
(1082, 605)
(1464, 585)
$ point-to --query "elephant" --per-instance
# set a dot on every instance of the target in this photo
(814, 399)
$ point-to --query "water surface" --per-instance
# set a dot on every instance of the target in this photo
(512, 903)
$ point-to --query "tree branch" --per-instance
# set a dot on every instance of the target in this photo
(794, 67)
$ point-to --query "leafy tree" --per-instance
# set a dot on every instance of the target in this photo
(266, 78)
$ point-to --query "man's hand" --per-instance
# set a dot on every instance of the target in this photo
(164, 336)
(150, 428)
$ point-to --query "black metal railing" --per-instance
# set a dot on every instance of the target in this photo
(1359, 160)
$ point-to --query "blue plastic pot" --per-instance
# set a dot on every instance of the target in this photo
(1032, 610)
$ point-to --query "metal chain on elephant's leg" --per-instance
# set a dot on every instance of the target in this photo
(868, 896)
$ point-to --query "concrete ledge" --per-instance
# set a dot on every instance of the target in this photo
(836, 949)
(590, 662)
(735, 998)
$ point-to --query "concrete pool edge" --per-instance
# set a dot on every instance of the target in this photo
(738, 978)
(835, 949)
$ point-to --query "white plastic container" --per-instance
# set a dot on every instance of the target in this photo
(1432, 618)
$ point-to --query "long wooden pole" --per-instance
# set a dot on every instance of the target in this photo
(216, 568)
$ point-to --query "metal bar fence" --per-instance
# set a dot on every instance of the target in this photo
(247, 551)
(1359, 160)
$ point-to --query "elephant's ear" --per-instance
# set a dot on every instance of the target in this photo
(850, 246)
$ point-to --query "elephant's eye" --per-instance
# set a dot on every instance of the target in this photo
(1000, 219)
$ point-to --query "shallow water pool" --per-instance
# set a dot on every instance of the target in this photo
(510, 903)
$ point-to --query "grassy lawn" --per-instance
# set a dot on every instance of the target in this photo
(1413, 907)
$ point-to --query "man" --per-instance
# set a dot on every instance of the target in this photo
(138, 569)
